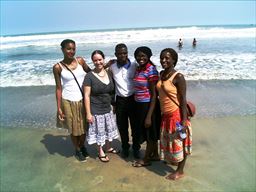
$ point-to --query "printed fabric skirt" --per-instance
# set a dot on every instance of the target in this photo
(75, 120)
(172, 147)
(103, 128)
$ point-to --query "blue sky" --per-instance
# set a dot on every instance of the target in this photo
(21, 17)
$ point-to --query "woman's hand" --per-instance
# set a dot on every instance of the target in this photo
(184, 125)
(89, 118)
(148, 122)
(61, 115)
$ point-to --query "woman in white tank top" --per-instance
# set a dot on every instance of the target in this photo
(70, 108)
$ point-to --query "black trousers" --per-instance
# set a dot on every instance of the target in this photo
(150, 134)
(125, 110)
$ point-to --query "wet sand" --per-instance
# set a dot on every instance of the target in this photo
(223, 159)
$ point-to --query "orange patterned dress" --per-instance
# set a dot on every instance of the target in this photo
(172, 147)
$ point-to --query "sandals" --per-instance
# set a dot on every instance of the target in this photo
(140, 164)
(112, 150)
(103, 158)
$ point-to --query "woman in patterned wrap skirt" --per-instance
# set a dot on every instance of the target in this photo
(99, 89)
(172, 84)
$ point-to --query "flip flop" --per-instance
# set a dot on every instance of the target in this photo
(140, 164)
(101, 158)
(114, 151)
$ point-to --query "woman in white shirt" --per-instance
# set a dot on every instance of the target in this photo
(69, 74)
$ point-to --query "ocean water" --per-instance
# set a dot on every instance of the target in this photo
(222, 52)
(220, 71)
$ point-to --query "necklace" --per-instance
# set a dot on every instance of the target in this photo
(104, 72)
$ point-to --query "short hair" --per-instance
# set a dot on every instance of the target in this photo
(173, 53)
(65, 42)
(98, 52)
(120, 46)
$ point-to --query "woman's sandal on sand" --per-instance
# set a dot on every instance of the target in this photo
(112, 150)
(103, 158)
(140, 164)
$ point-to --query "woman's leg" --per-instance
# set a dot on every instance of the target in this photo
(181, 165)
(146, 160)
(102, 156)
(79, 155)
(155, 155)
(81, 140)
(82, 146)
(148, 152)
(75, 140)
(179, 171)
(108, 145)
(110, 149)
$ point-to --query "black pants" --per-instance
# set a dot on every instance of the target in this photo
(125, 109)
(150, 134)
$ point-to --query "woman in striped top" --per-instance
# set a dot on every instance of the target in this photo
(145, 79)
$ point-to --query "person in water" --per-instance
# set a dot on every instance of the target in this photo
(194, 42)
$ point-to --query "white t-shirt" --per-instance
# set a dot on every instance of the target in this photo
(124, 79)
(70, 89)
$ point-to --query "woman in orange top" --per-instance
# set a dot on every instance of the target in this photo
(172, 89)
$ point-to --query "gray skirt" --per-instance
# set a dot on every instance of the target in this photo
(103, 128)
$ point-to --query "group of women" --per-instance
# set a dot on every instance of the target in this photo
(84, 98)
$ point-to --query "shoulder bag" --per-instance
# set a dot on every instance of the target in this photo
(191, 108)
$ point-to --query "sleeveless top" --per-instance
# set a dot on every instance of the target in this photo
(70, 89)
(166, 104)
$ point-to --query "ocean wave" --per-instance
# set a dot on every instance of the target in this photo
(194, 66)
(131, 35)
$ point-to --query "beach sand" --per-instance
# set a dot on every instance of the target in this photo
(35, 156)
(223, 159)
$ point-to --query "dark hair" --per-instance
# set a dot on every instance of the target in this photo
(65, 42)
(98, 52)
(173, 53)
(120, 46)
(143, 49)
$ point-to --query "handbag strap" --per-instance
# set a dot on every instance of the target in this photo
(163, 88)
(165, 91)
(74, 77)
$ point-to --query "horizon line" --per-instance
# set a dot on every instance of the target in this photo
(124, 28)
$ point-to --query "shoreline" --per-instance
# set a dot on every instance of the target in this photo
(223, 159)
(35, 106)
(189, 82)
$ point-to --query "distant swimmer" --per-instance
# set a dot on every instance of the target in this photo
(194, 42)
(180, 43)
